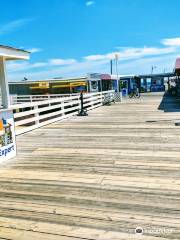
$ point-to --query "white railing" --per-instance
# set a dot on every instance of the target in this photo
(18, 99)
(32, 115)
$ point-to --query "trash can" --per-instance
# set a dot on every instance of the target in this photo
(124, 92)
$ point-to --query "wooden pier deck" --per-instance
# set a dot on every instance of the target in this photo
(97, 177)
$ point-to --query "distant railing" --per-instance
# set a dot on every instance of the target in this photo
(32, 115)
(17, 99)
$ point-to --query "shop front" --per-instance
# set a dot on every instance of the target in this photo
(154, 82)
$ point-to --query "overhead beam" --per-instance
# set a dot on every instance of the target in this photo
(10, 53)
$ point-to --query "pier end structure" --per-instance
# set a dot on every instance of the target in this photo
(7, 130)
(7, 54)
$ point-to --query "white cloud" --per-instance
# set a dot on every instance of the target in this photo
(34, 50)
(143, 65)
(39, 64)
(95, 57)
(90, 3)
(14, 25)
(75, 69)
(175, 42)
(24, 66)
(135, 66)
(59, 61)
(132, 53)
(132, 59)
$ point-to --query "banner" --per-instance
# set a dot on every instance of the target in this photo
(7, 135)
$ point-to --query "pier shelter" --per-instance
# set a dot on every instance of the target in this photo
(7, 132)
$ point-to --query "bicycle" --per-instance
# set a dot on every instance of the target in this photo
(134, 94)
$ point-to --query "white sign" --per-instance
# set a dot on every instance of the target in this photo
(7, 135)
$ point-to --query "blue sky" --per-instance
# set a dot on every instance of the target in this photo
(75, 37)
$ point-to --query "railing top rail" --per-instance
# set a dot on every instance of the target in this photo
(55, 100)
(36, 113)
(43, 102)
(60, 94)
(43, 95)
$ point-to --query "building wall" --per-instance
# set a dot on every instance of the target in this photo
(19, 89)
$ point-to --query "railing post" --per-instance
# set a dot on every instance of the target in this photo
(82, 112)
(62, 108)
(36, 115)
(101, 98)
(92, 101)
(49, 98)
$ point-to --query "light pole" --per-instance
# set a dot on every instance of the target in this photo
(118, 84)
(116, 59)
(165, 69)
(111, 66)
(152, 69)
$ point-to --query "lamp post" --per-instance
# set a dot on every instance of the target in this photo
(116, 59)
(118, 83)
(152, 69)
(165, 70)
(111, 66)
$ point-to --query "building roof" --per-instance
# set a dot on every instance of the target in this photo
(11, 53)
(155, 75)
(53, 80)
(122, 76)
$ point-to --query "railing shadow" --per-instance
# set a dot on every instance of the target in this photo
(169, 103)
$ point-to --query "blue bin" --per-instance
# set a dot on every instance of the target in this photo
(124, 92)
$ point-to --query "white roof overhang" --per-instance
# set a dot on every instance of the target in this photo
(10, 53)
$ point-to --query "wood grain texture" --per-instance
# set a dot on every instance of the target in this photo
(97, 177)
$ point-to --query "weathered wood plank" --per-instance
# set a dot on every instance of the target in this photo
(97, 177)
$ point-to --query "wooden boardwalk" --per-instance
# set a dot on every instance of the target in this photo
(97, 177)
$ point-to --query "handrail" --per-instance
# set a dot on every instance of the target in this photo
(42, 102)
(18, 99)
(32, 115)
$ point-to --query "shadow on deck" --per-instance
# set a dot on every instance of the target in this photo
(169, 103)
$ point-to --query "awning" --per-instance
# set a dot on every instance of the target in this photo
(39, 87)
(68, 85)
(177, 66)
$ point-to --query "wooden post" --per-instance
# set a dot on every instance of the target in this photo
(102, 98)
(62, 108)
(4, 84)
(36, 115)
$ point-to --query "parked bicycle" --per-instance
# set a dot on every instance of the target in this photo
(134, 94)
